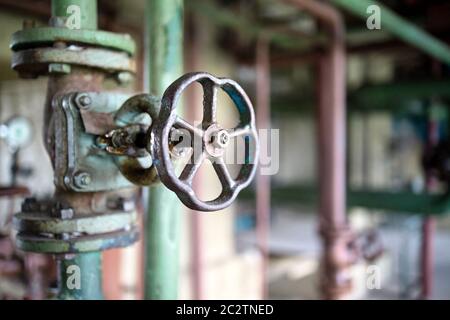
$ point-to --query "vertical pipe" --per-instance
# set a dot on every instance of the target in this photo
(403, 29)
(334, 229)
(429, 223)
(164, 33)
(336, 280)
(427, 257)
(194, 99)
(88, 11)
(80, 276)
(263, 181)
(112, 285)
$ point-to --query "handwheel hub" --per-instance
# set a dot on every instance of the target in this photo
(216, 140)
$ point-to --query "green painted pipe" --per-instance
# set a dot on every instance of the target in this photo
(249, 28)
(391, 94)
(86, 9)
(80, 277)
(405, 202)
(400, 27)
(395, 97)
(164, 52)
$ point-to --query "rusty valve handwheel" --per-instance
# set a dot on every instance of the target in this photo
(208, 142)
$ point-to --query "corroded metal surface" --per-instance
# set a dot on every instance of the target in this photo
(207, 142)
(39, 223)
(83, 165)
(76, 225)
(73, 222)
(143, 110)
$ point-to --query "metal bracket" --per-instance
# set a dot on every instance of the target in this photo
(80, 163)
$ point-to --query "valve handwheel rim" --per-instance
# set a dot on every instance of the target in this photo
(214, 140)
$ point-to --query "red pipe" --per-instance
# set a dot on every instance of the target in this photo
(335, 280)
(14, 191)
(427, 253)
(429, 224)
(263, 181)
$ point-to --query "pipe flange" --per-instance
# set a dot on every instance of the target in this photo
(76, 243)
(42, 61)
(48, 36)
(47, 226)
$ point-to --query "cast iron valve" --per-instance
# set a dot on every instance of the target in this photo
(207, 141)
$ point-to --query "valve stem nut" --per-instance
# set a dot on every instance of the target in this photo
(221, 139)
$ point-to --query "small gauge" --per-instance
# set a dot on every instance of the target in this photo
(17, 132)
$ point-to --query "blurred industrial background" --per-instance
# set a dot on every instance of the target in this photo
(356, 200)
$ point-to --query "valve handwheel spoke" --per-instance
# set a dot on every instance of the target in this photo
(240, 131)
(208, 142)
(209, 103)
(182, 124)
(192, 167)
(223, 173)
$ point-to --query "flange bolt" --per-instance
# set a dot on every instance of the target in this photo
(82, 179)
(83, 101)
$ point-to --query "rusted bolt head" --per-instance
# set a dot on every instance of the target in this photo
(60, 68)
(82, 179)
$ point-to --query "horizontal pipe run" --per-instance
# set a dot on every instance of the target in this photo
(399, 27)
